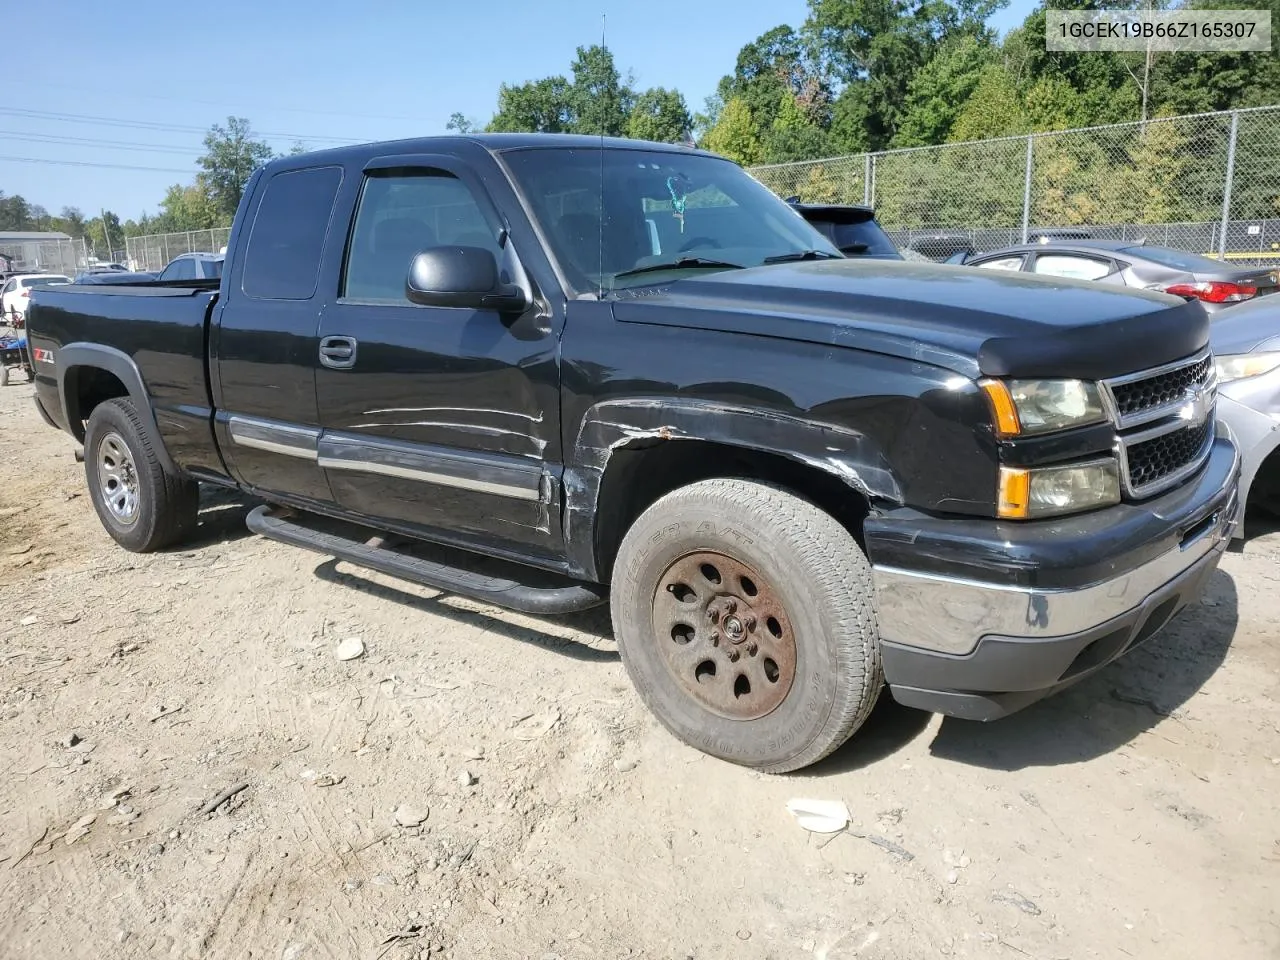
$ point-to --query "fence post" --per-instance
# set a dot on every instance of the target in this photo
(1226, 190)
(871, 200)
(1026, 192)
(866, 180)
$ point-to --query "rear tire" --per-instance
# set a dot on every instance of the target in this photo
(745, 619)
(4, 376)
(142, 505)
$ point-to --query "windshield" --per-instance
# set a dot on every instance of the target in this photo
(41, 281)
(1177, 259)
(660, 208)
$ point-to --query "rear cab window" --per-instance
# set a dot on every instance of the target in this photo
(282, 255)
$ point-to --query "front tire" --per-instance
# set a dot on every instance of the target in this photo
(744, 616)
(142, 505)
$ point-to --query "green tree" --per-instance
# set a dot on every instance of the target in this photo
(994, 109)
(540, 106)
(735, 134)
(940, 88)
(660, 115)
(875, 47)
(105, 235)
(458, 123)
(231, 155)
(1052, 103)
(193, 207)
(599, 98)
(792, 135)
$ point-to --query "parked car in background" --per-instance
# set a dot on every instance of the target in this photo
(1125, 263)
(851, 228)
(943, 246)
(193, 266)
(16, 293)
(100, 268)
(1246, 348)
(115, 276)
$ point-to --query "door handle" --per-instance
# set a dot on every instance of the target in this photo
(338, 353)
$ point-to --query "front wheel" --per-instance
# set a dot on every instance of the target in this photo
(744, 616)
(141, 504)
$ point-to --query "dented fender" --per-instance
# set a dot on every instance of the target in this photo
(841, 451)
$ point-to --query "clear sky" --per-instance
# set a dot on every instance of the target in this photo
(321, 71)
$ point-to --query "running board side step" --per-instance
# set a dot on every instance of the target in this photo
(568, 596)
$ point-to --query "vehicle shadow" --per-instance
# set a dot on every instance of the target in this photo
(221, 518)
(594, 622)
(1111, 707)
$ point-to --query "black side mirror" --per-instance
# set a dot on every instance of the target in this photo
(461, 277)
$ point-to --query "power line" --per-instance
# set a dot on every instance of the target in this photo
(152, 125)
(95, 142)
(223, 106)
(87, 163)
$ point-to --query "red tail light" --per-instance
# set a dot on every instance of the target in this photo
(25, 293)
(1212, 291)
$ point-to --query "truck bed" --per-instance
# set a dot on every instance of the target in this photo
(157, 332)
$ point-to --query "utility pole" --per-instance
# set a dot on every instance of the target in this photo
(106, 235)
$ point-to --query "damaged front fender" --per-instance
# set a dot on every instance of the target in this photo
(611, 425)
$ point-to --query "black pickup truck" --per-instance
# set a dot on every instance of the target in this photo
(627, 371)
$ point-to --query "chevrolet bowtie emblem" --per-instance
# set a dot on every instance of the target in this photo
(1198, 404)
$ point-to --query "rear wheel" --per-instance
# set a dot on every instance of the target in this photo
(142, 505)
(744, 617)
(4, 376)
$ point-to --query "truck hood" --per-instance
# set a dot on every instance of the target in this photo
(973, 321)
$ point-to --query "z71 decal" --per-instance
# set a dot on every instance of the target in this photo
(40, 355)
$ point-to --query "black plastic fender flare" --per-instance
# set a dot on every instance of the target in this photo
(75, 356)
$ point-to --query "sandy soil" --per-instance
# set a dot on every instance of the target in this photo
(1135, 815)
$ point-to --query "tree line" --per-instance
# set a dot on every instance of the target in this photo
(856, 76)
(871, 75)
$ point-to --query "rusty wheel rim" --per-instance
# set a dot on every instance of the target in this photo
(724, 634)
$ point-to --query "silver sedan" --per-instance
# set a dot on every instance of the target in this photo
(1246, 346)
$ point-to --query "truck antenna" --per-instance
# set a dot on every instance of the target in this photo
(604, 24)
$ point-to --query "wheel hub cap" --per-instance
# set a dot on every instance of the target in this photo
(724, 634)
(118, 478)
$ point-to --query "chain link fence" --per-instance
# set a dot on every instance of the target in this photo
(43, 256)
(1206, 183)
(154, 251)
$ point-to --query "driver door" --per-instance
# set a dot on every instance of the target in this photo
(441, 418)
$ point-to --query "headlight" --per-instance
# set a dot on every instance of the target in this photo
(1028, 407)
(1030, 493)
(1245, 365)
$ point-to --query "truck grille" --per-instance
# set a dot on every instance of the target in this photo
(1145, 398)
(1175, 406)
(1152, 462)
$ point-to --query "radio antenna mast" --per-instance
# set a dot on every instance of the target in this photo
(604, 24)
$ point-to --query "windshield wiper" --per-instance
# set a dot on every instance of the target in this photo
(681, 264)
(803, 255)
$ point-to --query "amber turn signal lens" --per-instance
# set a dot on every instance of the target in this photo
(1015, 493)
(1002, 408)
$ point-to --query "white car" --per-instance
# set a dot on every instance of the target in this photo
(16, 293)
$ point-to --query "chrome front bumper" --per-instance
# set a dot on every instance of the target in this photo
(951, 616)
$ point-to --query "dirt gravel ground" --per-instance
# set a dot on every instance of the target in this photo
(482, 784)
